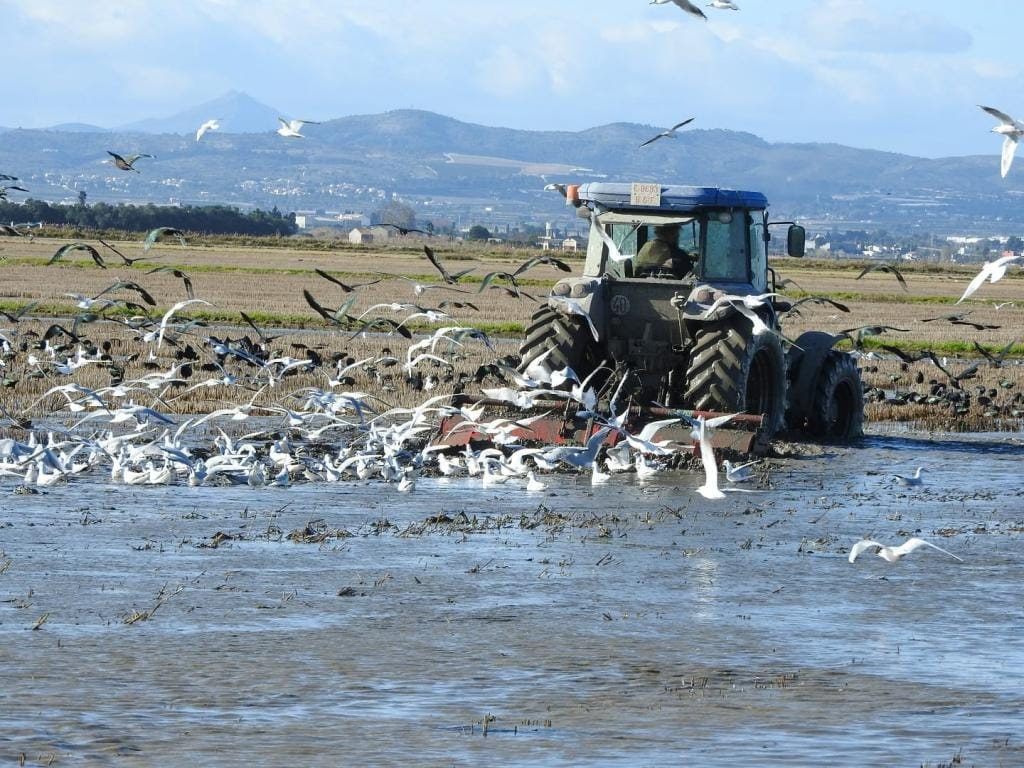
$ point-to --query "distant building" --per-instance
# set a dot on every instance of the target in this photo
(360, 236)
(570, 244)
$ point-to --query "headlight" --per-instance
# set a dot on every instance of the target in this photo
(561, 289)
(579, 290)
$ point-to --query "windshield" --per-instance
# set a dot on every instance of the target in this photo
(724, 246)
(654, 247)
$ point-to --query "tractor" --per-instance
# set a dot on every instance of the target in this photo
(702, 335)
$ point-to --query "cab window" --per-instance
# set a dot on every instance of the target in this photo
(758, 252)
(725, 252)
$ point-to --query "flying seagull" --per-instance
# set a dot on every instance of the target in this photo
(5, 190)
(1012, 130)
(991, 271)
(724, 5)
(670, 133)
(892, 554)
(290, 128)
(126, 163)
(884, 268)
(161, 232)
(64, 250)
(209, 125)
(686, 5)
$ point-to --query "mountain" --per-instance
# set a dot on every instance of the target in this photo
(446, 168)
(238, 113)
(76, 128)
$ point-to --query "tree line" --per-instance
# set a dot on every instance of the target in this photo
(206, 219)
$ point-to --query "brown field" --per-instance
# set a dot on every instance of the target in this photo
(268, 283)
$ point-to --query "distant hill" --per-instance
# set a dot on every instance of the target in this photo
(76, 128)
(465, 172)
(238, 113)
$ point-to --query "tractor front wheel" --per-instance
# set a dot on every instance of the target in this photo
(733, 371)
(568, 338)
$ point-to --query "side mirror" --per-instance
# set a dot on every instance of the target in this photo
(796, 241)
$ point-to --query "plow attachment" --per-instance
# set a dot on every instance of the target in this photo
(548, 423)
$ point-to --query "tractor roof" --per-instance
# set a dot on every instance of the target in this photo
(673, 197)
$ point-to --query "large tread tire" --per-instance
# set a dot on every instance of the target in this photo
(568, 338)
(733, 371)
(837, 410)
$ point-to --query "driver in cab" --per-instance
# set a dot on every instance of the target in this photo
(663, 254)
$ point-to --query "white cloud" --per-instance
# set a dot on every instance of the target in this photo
(856, 25)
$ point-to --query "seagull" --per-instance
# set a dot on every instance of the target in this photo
(741, 474)
(884, 268)
(161, 232)
(64, 250)
(1012, 130)
(686, 5)
(126, 163)
(573, 307)
(176, 308)
(702, 433)
(290, 128)
(992, 271)
(892, 554)
(533, 484)
(671, 132)
(909, 480)
(209, 125)
(724, 5)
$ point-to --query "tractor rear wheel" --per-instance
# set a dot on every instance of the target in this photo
(568, 338)
(837, 411)
(733, 371)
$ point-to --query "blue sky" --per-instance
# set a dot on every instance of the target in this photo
(903, 75)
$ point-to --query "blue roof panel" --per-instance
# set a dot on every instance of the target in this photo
(674, 197)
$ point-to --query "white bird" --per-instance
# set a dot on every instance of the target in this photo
(533, 484)
(291, 128)
(909, 480)
(724, 5)
(741, 474)
(209, 125)
(892, 554)
(992, 271)
(613, 248)
(686, 5)
(644, 468)
(176, 308)
(1012, 130)
(408, 482)
(669, 133)
(573, 307)
(702, 433)
(596, 475)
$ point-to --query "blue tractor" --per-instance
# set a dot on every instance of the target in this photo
(675, 294)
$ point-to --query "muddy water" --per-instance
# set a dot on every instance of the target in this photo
(629, 624)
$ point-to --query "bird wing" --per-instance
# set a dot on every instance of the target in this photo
(974, 285)
(860, 546)
(653, 139)
(690, 8)
(613, 250)
(915, 543)
(998, 115)
(432, 258)
(1009, 148)
(650, 430)
(677, 126)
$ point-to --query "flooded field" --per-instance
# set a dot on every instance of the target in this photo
(633, 623)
